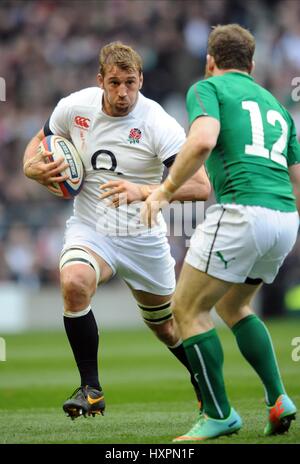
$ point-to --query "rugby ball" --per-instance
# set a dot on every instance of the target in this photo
(60, 146)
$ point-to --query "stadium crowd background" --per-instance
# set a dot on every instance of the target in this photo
(49, 49)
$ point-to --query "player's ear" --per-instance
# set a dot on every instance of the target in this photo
(141, 81)
(252, 67)
(210, 62)
(100, 80)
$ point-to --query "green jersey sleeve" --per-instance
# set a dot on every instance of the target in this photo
(293, 147)
(202, 100)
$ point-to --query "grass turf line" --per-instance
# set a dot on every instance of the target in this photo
(148, 394)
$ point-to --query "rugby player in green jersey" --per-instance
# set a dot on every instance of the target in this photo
(248, 142)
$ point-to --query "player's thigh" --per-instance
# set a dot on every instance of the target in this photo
(196, 292)
(150, 299)
(82, 268)
(155, 310)
(106, 272)
(83, 244)
(146, 265)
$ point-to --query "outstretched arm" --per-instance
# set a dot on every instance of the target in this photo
(121, 191)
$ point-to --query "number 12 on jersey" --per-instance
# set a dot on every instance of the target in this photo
(257, 148)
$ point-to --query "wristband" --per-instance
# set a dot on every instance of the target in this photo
(165, 191)
(172, 181)
(170, 185)
(146, 191)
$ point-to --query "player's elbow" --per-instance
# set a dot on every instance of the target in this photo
(201, 149)
(206, 145)
(204, 134)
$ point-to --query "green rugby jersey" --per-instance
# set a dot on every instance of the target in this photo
(256, 144)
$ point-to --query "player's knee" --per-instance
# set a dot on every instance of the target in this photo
(165, 332)
(77, 255)
(183, 316)
(76, 289)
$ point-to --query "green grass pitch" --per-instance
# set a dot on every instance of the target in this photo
(148, 394)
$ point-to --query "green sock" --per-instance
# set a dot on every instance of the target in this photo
(205, 355)
(256, 346)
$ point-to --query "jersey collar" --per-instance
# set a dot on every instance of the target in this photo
(247, 76)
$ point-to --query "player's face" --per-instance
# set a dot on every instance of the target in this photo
(121, 89)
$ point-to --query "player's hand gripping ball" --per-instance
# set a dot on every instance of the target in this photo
(61, 147)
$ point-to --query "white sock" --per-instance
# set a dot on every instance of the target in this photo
(81, 313)
(176, 344)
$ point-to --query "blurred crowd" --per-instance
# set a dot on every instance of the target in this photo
(50, 48)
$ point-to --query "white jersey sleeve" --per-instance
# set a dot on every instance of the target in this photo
(59, 121)
(170, 136)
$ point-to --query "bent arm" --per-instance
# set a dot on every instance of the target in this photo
(31, 152)
(201, 140)
(196, 188)
(35, 166)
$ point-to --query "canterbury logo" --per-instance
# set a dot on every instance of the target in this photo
(82, 122)
(94, 400)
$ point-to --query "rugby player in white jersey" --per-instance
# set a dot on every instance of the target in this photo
(125, 140)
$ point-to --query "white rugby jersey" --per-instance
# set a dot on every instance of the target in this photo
(133, 147)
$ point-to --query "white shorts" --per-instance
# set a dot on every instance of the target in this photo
(144, 262)
(239, 243)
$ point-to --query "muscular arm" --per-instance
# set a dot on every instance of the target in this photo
(194, 189)
(200, 142)
(31, 149)
(35, 167)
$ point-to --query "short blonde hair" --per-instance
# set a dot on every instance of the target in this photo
(232, 46)
(121, 55)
